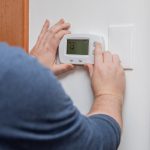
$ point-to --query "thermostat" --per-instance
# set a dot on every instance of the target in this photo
(78, 48)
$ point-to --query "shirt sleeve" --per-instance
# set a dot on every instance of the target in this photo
(36, 113)
(107, 131)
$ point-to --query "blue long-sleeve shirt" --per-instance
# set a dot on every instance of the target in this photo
(36, 113)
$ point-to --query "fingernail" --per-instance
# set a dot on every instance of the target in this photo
(47, 21)
(67, 24)
(72, 66)
(69, 32)
(97, 43)
(62, 20)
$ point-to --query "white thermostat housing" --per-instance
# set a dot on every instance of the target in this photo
(78, 48)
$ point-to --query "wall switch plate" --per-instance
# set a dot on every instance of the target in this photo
(120, 41)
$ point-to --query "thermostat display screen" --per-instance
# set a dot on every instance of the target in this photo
(77, 46)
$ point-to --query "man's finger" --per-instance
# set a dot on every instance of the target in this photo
(60, 27)
(98, 55)
(61, 21)
(89, 68)
(116, 59)
(62, 68)
(45, 28)
(108, 58)
(45, 39)
(43, 32)
(61, 34)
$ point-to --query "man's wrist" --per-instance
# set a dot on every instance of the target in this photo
(110, 98)
(110, 105)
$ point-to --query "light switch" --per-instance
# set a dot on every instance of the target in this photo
(120, 41)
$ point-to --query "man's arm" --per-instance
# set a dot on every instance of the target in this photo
(108, 82)
(37, 114)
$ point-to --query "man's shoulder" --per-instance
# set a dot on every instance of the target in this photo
(9, 54)
(19, 71)
(16, 65)
(6, 48)
(3, 45)
(15, 58)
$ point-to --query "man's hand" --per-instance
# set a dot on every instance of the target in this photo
(45, 49)
(107, 74)
(108, 83)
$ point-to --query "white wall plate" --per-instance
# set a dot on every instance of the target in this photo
(120, 41)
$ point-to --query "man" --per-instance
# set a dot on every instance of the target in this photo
(36, 113)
